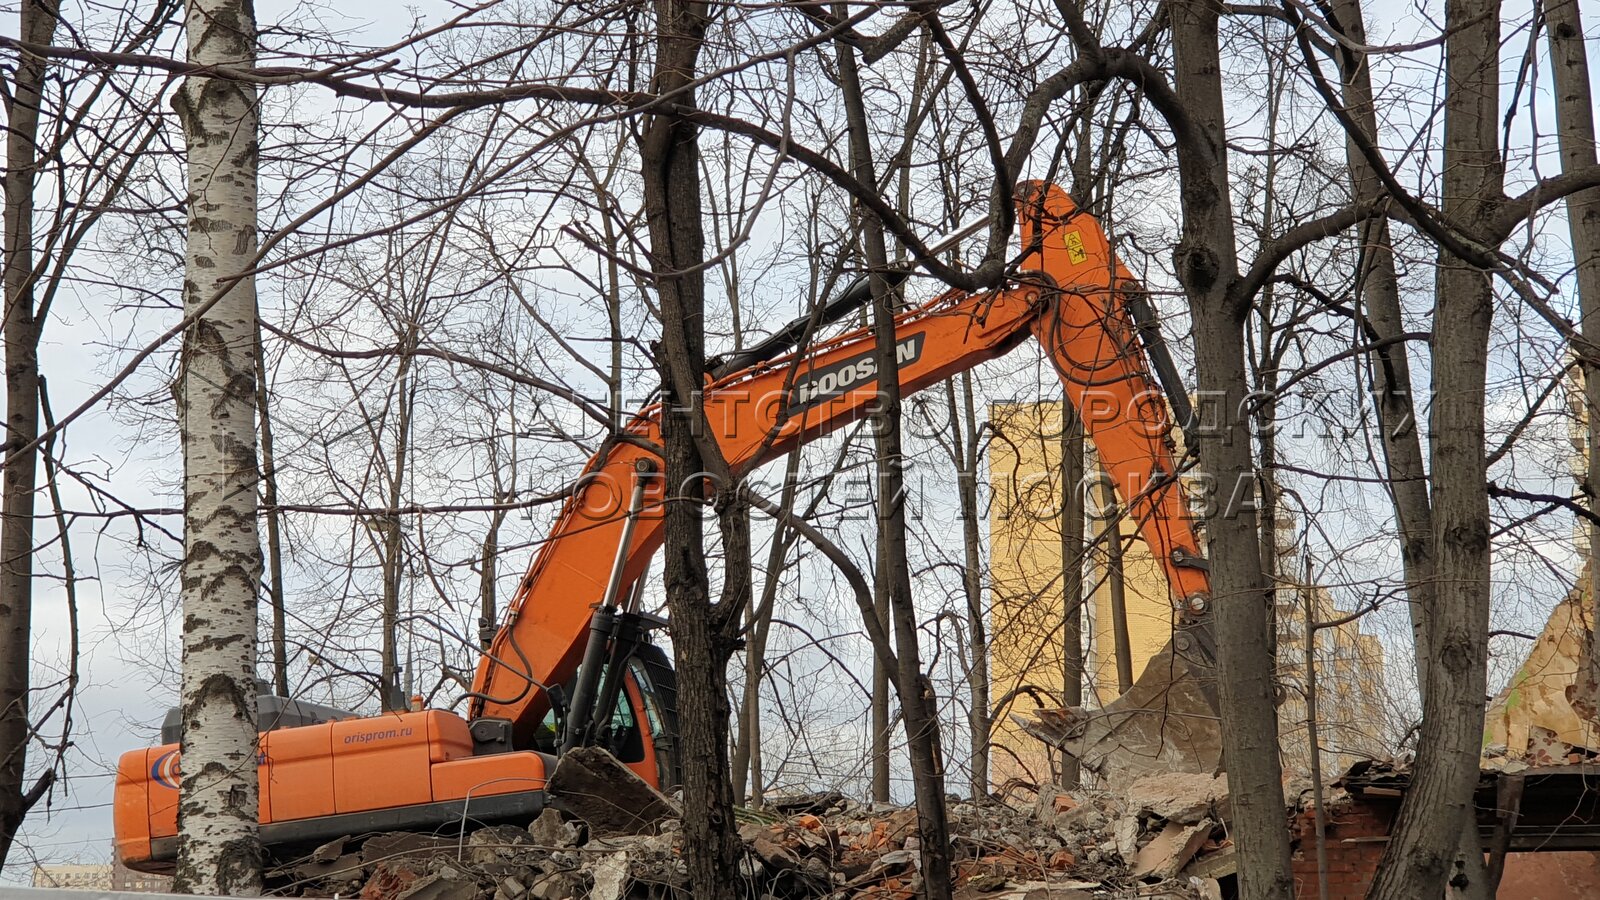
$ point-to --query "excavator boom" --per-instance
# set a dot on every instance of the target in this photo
(1072, 297)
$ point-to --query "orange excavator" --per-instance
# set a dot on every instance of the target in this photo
(572, 663)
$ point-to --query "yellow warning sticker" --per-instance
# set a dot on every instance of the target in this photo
(1075, 251)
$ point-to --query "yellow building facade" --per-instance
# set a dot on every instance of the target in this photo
(1027, 605)
(1028, 613)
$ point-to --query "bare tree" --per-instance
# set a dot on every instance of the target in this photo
(1379, 291)
(703, 632)
(1072, 586)
(1575, 129)
(1207, 266)
(22, 331)
(1435, 837)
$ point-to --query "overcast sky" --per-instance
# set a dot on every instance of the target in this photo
(123, 695)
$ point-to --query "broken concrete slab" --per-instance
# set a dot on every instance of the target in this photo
(330, 851)
(1171, 850)
(593, 785)
(440, 886)
(1182, 797)
(496, 843)
(348, 867)
(1030, 890)
(404, 845)
(820, 803)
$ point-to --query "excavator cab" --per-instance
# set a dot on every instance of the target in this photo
(643, 720)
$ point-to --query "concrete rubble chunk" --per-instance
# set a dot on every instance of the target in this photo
(551, 830)
(894, 858)
(610, 877)
(401, 845)
(1182, 797)
(330, 851)
(440, 886)
(348, 867)
(593, 785)
(1126, 837)
(496, 843)
(773, 855)
(510, 888)
(558, 886)
(1171, 850)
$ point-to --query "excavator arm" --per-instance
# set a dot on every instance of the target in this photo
(1072, 297)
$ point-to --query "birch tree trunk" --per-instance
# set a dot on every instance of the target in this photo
(1575, 126)
(1423, 855)
(1207, 265)
(219, 848)
(38, 22)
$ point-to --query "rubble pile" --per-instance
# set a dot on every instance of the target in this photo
(1069, 846)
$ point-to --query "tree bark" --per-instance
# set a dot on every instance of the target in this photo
(1423, 855)
(1072, 549)
(1391, 366)
(918, 710)
(488, 553)
(669, 158)
(746, 764)
(273, 518)
(1575, 127)
(746, 768)
(219, 849)
(964, 444)
(1207, 266)
(22, 331)
(392, 697)
(1117, 593)
(880, 705)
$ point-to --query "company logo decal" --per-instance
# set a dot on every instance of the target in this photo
(366, 737)
(822, 384)
(165, 772)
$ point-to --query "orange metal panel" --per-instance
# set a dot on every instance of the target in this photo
(131, 810)
(481, 776)
(297, 774)
(448, 736)
(380, 762)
